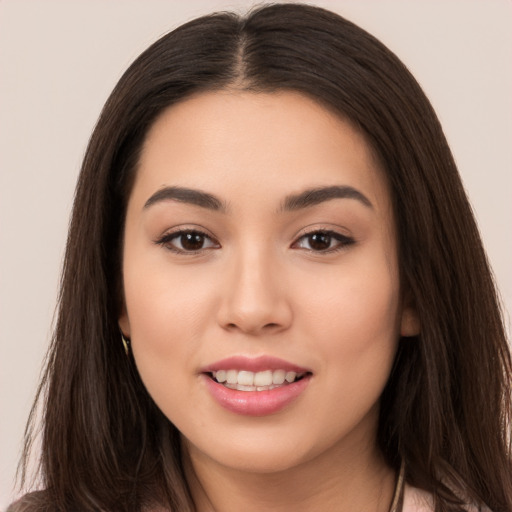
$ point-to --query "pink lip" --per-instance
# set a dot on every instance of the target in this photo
(255, 403)
(256, 364)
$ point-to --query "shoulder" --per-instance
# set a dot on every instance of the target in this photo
(33, 502)
(40, 501)
(418, 500)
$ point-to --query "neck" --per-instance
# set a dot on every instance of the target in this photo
(352, 480)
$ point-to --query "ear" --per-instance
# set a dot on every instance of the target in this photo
(124, 322)
(410, 322)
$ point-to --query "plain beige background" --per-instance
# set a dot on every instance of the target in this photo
(60, 59)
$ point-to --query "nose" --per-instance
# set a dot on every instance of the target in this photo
(255, 296)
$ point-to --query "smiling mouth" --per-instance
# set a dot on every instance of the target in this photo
(243, 380)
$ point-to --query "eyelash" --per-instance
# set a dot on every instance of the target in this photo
(167, 241)
(343, 241)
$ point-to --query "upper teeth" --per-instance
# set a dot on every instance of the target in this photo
(246, 378)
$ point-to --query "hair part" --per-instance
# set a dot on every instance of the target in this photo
(446, 408)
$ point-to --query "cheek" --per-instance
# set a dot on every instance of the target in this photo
(355, 333)
(360, 302)
(354, 320)
(165, 302)
(166, 315)
(167, 309)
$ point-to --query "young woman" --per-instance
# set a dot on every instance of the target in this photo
(274, 295)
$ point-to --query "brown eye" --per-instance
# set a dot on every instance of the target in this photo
(319, 241)
(323, 241)
(191, 241)
(187, 241)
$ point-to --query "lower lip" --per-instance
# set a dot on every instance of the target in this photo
(256, 403)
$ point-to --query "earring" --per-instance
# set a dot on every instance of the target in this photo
(126, 344)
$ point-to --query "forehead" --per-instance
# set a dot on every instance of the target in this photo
(267, 143)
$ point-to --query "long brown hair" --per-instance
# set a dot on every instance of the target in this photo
(446, 410)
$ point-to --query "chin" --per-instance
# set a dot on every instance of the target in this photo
(260, 455)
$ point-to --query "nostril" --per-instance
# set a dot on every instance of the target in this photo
(253, 328)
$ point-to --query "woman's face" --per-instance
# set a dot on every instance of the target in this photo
(260, 249)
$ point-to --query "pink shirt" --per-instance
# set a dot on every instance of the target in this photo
(417, 500)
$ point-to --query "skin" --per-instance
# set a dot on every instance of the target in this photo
(258, 286)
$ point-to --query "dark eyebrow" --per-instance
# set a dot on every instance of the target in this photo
(186, 195)
(314, 196)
